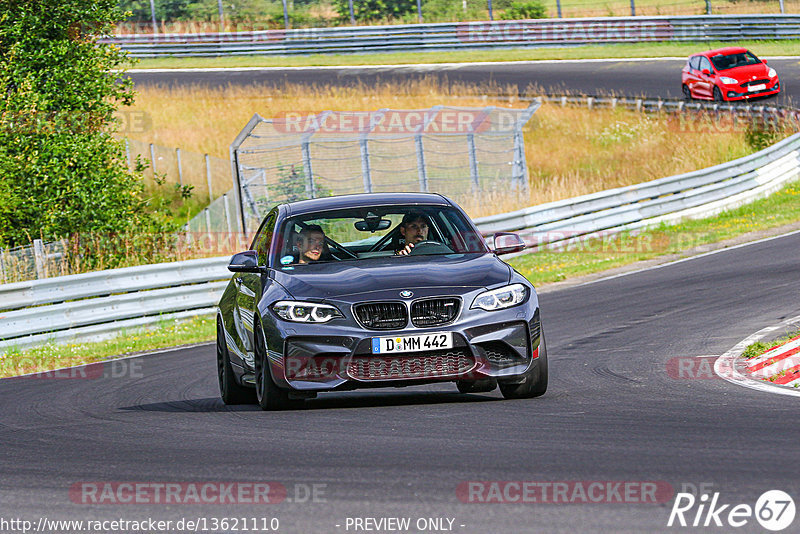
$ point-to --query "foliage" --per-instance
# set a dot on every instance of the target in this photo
(367, 10)
(761, 134)
(293, 186)
(525, 10)
(61, 170)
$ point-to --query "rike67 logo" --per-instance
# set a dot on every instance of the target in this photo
(774, 510)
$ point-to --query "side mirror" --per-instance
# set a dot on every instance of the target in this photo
(706, 72)
(244, 262)
(507, 242)
(765, 61)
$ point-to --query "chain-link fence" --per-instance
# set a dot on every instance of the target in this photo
(450, 150)
(168, 16)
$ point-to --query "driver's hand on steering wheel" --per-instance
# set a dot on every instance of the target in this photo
(405, 251)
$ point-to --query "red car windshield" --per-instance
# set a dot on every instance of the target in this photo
(731, 61)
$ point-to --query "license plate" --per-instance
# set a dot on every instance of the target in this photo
(393, 345)
(759, 87)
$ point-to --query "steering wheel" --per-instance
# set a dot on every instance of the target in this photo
(429, 246)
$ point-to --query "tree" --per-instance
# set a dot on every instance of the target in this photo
(366, 10)
(61, 170)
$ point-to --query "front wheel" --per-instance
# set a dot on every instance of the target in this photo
(230, 391)
(687, 93)
(717, 94)
(270, 396)
(534, 383)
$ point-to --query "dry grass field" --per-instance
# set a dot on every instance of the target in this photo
(569, 151)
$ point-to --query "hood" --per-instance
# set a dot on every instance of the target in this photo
(341, 278)
(746, 73)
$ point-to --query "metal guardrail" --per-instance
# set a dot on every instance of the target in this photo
(95, 305)
(463, 35)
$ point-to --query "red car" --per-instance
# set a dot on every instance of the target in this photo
(731, 73)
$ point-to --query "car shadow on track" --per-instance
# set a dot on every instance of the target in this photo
(324, 402)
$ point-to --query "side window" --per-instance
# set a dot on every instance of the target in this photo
(694, 62)
(705, 64)
(263, 239)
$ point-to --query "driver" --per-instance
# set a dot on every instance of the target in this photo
(413, 229)
(310, 243)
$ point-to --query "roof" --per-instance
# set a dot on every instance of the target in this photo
(363, 200)
(724, 51)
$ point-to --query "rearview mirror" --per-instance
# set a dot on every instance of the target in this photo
(373, 225)
(244, 262)
(507, 242)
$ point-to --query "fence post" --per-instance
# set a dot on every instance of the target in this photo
(558, 7)
(423, 175)
(489, 5)
(3, 264)
(419, 11)
(153, 159)
(128, 152)
(39, 259)
(473, 162)
(208, 179)
(208, 220)
(708, 7)
(352, 14)
(633, 8)
(518, 181)
(308, 170)
(227, 212)
(285, 15)
(180, 170)
(783, 11)
(365, 170)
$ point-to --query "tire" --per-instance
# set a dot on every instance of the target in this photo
(269, 396)
(687, 93)
(717, 95)
(476, 386)
(535, 382)
(231, 392)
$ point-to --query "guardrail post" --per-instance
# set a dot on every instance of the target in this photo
(473, 162)
(308, 170)
(227, 212)
(365, 169)
(39, 259)
(180, 170)
(423, 174)
(208, 179)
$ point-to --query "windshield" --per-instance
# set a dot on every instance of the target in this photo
(734, 60)
(385, 231)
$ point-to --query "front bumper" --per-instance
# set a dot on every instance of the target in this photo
(501, 344)
(737, 92)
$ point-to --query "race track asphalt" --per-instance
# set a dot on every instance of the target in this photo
(614, 412)
(650, 78)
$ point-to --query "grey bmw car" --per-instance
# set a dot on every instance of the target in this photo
(376, 290)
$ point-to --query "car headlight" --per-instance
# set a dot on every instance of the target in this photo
(503, 297)
(725, 79)
(305, 312)
(772, 72)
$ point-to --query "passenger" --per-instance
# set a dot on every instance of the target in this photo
(311, 244)
(413, 230)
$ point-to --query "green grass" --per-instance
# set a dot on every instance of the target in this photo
(760, 347)
(638, 50)
(54, 356)
(575, 259)
(585, 257)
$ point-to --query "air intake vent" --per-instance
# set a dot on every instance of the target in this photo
(382, 315)
(438, 364)
(433, 312)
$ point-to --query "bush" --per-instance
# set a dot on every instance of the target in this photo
(61, 170)
(369, 10)
(525, 10)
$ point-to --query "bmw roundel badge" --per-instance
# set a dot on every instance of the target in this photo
(406, 294)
